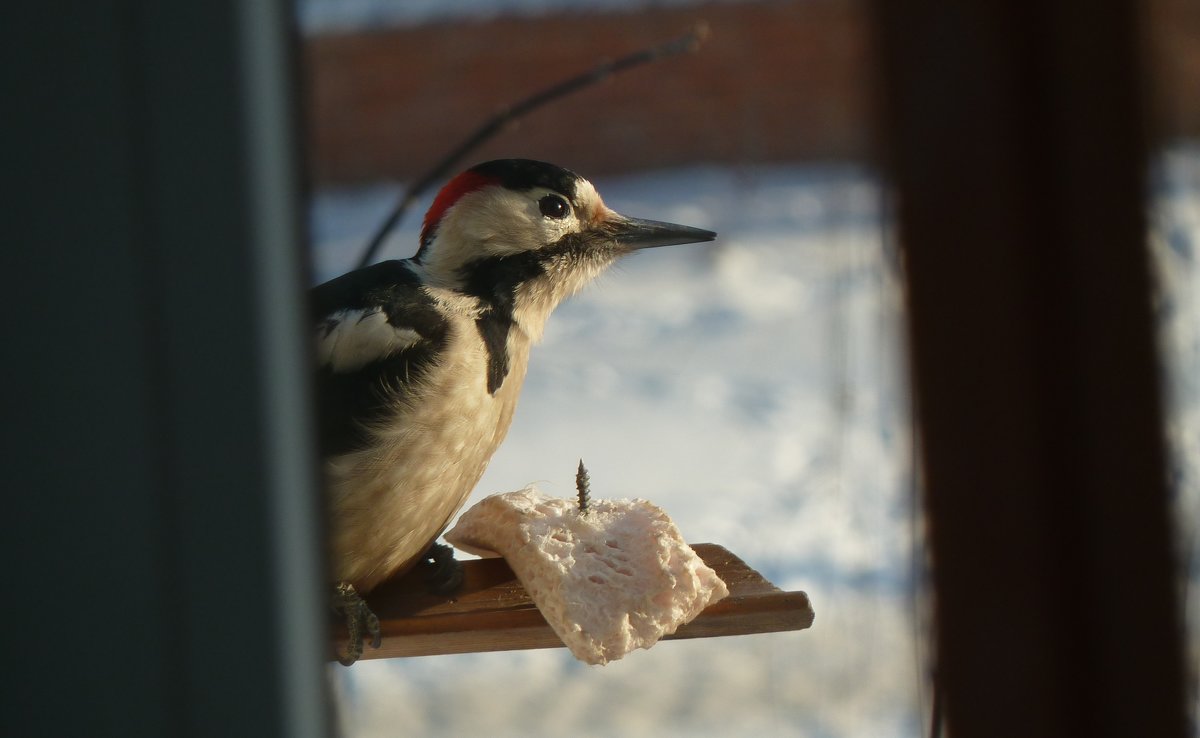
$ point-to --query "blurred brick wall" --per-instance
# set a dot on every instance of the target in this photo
(775, 81)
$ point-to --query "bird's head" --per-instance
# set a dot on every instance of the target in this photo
(523, 235)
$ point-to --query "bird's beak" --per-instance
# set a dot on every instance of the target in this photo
(636, 233)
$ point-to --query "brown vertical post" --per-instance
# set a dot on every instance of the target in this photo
(1014, 135)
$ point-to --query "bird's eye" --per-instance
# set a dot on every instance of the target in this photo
(553, 206)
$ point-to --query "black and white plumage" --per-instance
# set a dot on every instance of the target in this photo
(421, 361)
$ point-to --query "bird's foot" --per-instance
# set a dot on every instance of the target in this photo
(359, 621)
(443, 574)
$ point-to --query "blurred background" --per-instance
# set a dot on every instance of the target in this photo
(754, 387)
(160, 492)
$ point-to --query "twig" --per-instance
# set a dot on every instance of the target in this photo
(688, 42)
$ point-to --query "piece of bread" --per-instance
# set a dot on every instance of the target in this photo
(609, 580)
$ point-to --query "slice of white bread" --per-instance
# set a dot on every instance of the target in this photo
(609, 580)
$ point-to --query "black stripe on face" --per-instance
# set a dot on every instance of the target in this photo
(494, 280)
(493, 329)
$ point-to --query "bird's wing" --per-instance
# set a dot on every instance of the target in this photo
(377, 331)
(350, 339)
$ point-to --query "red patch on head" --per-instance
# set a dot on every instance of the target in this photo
(468, 181)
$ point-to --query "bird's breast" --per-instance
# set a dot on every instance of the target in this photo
(392, 498)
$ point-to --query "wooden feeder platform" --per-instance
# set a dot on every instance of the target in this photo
(492, 611)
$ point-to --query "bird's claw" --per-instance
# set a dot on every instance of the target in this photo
(443, 574)
(359, 620)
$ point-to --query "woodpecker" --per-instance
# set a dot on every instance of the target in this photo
(420, 361)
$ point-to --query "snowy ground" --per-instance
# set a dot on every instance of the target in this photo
(1175, 244)
(754, 388)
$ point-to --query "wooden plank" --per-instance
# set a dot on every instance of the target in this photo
(492, 611)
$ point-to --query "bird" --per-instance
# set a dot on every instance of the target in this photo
(420, 361)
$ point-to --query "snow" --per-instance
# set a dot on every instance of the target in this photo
(754, 388)
(1175, 245)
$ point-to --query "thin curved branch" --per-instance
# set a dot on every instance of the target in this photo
(688, 42)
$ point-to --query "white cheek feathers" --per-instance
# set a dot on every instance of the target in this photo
(608, 581)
